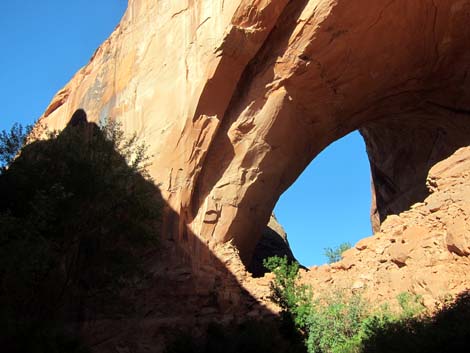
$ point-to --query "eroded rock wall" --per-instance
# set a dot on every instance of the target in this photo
(402, 150)
(236, 97)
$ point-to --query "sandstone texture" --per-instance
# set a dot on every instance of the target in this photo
(236, 97)
(424, 250)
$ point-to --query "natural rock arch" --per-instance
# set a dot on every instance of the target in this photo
(237, 97)
(286, 110)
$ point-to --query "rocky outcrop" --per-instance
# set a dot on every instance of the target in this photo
(273, 242)
(236, 97)
(424, 250)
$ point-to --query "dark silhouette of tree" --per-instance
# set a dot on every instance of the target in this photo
(77, 212)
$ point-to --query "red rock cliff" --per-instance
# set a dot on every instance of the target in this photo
(236, 97)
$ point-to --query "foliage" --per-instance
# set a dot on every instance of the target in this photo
(339, 322)
(329, 324)
(11, 143)
(76, 215)
(445, 331)
(335, 254)
(134, 151)
(411, 305)
(335, 323)
(294, 299)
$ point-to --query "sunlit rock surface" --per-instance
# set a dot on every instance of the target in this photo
(235, 98)
(424, 250)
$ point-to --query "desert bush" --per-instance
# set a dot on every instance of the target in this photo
(447, 330)
(335, 323)
(335, 254)
(293, 299)
(411, 305)
(339, 322)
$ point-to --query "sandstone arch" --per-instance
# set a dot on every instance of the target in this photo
(237, 97)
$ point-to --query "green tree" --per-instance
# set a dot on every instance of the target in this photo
(446, 330)
(335, 323)
(335, 254)
(411, 305)
(293, 298)
(11, 142)
(77, 214)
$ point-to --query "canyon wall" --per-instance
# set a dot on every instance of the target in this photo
(235, 98)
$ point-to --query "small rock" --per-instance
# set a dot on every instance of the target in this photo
(399, 254)
(457, 238)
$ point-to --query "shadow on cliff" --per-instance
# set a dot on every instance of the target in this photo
(402, 151)
(86, 257)
(447, 330)
(75, 215)
(88, 264)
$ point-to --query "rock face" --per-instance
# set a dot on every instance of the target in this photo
(424, 250)
(273, 242)
(236, 97)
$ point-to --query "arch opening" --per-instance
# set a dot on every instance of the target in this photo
(401, 151)
(328, 204)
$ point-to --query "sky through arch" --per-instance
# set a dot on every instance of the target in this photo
(330, 202)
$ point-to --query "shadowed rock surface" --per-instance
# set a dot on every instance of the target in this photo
(273, 242)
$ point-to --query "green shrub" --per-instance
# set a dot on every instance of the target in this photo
(11, 142)
(335, 323)
(329, 324)
(340, 322)
(293, 299)
(445, 331)
(411, 305)
(335, 254)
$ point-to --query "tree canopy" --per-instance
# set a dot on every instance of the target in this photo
(77, 211)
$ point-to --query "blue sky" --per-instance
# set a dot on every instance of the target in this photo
(330, 202)
(44, 43)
